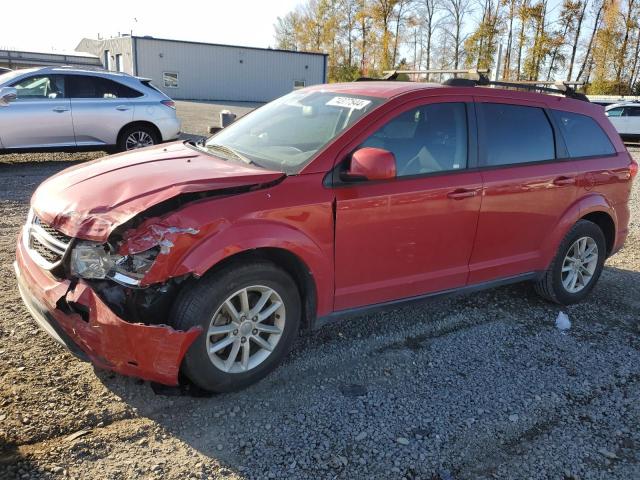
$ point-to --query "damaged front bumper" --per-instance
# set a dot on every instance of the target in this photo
(150, 352)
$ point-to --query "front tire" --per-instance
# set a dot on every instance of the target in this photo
(576, 267)
(250, 316)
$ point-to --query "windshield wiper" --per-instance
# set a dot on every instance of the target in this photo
(230, 152)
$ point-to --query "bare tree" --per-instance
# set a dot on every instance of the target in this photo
(458, 10)
(524, 15)
(364, 22)
(349, 11)
(587, 60)
(576, 38)
(629, 23)
(636, 58)
(401, 9)
(511, 14)
(427, 11)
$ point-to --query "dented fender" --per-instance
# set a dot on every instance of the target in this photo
(200, 239)
(190, 251)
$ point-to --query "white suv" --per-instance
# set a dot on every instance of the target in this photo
(62, 107)
(625, 117)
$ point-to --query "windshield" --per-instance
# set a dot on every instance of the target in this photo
(285, 134)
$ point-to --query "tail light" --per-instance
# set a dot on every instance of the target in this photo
(633, 168)
(169, 103)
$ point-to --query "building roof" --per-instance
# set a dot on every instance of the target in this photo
(190, 42)
(20, 53)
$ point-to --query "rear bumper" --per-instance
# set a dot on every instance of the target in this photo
(150, 352)
(169, 128)
(623, 217)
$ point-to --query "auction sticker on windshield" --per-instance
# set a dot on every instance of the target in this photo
(348, 102)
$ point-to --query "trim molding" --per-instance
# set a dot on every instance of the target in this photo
(368, 309)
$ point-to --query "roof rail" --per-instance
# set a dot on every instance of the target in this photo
(481, 78)
(394, 74)
(457, 71)
(565, 88)
(390, 75)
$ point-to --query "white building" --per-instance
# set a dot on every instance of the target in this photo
(206, 71)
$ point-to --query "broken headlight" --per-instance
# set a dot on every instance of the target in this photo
(96, 261)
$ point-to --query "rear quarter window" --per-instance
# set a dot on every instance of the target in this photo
(614, 112)
(582, 135)
(516, 134)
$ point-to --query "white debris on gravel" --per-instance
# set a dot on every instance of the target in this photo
(563, 322)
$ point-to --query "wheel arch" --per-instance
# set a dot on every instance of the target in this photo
(593, 207)
(145, 123)
(290, 263)
(215, 246)
(607, 225)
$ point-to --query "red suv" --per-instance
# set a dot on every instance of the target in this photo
(206, 259)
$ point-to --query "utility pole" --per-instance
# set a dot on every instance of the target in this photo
(496, 76)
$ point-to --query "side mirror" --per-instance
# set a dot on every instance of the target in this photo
(7, 94)
(371, 164)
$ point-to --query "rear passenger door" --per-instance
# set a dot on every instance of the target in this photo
(100, 108)
(527, 187)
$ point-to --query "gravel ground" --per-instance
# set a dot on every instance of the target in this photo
(475, 387)
(198, 116)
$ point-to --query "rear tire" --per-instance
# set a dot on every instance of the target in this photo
(234, 329)
(137, 136)
(574, 270)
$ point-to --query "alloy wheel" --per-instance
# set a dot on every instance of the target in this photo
(138, 139)
(579, 264)
(245, 329)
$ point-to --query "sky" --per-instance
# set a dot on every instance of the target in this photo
(236, 22)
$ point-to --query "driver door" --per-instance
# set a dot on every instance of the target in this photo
(39, 117)
(414, 234)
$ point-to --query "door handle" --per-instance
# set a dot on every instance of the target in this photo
(462, 193)
(60, 109)
(122, 108)
(565, 181)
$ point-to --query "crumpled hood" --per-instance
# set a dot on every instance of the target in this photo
(91, 199)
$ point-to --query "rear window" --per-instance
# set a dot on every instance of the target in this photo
(514, 134)
(147, 83)
(582, 134)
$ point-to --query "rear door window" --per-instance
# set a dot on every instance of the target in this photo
(582, 135)
(514, 134)
(82, 86)
(632, 111)
(86, 86)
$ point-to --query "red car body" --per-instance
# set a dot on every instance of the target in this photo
(349, 247)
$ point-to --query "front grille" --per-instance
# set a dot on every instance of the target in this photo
(42, 250)
(46, 245)
(61, 237)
